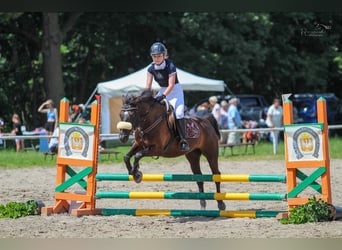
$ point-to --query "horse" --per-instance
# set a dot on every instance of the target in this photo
(155, 136)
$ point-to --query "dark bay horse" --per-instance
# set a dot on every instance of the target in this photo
(154, 136)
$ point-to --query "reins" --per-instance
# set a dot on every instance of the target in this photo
(129, 109)
(154, 125)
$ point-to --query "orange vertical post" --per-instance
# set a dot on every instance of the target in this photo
(95, 120)
(291, 177)
(63, 117)
(322, 117)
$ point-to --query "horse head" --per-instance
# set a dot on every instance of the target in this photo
(134, 109)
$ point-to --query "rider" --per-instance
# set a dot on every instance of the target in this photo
(163, 71)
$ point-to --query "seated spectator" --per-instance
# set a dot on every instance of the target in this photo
(250, 136)
(203, 110)
(53, 144)
(82, 120)
(75, 112)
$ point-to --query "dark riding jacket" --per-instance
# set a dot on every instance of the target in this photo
(161, 76)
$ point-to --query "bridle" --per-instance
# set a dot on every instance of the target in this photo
(141, 118)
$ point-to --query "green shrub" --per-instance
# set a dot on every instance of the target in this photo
(313, 211)
(18, 209)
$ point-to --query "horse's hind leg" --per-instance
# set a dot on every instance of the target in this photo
(194, 159)
(213, 163)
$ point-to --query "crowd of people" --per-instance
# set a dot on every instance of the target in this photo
(228, 118)
(77, 114)
(226, 113)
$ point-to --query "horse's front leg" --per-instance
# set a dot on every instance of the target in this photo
(137, 175)
(127, 158)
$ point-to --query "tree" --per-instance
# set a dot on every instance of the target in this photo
(52, 55)
(22, 44)
(52, 39)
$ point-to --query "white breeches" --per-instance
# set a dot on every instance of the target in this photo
(176, 99)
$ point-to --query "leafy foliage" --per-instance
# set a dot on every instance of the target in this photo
(18, 209)
(263, 53)
(313, 211)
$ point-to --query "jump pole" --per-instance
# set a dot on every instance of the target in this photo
(194, 177)
(179, 212)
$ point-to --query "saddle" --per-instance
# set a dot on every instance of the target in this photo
(192, 129)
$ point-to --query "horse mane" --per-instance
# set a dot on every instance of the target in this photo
(146, 94)
(132, 99)
(212, 121)
(128, 98)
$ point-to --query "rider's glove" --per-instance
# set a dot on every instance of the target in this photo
(160, 98)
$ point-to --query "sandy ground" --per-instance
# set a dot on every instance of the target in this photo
(38, 184)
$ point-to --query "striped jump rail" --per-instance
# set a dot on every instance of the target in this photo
(194, 177)
(177, 213)
(189, 196)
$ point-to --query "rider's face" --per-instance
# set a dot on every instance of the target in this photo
(158, 58)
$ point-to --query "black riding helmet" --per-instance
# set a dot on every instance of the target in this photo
(157, 48)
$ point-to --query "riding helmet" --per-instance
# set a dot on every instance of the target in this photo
(157, 48)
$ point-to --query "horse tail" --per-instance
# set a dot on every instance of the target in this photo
(214, 123)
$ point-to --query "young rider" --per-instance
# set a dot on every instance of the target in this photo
(163, 71)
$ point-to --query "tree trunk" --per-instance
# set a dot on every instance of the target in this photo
(52, 58)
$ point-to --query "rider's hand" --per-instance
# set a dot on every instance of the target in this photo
(160, 98)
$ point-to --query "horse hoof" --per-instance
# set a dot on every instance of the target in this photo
(221, 206)
(138, 177)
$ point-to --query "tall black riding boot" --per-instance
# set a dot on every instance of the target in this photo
(181, 132)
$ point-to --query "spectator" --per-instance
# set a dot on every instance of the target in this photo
(203, 110)
(275, 119)
(52, 116)
(53, 144)
(250, 136)
(234, 122)
(223, 122)
(19, 142)
(82, 120)
(84, 112)
(2, 123)
(76, 110)
(214, 107)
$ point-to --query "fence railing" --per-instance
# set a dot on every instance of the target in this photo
(107, 137)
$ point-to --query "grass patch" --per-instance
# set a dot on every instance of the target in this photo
(11, 159)
(263, 151)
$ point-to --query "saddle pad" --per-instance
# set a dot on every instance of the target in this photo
(192, 129)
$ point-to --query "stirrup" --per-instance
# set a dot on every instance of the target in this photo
(184, 146)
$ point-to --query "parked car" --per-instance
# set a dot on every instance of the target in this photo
(306, 105)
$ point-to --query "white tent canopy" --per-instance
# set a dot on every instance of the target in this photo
(135, 82)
